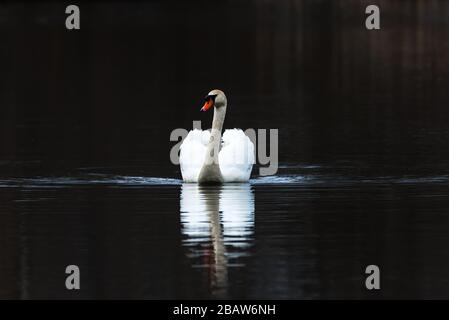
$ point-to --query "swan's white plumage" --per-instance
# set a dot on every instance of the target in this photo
(192, 154)
(236, 156)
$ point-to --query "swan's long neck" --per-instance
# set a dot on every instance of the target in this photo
(213, 147)
(210, 172)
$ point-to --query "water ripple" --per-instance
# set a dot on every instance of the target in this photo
(139, 181)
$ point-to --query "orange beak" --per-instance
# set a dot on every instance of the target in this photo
(209, 103)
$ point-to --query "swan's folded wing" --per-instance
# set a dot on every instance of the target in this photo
(193, 151)
(236, 156)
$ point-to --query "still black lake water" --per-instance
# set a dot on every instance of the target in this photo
(297, 235)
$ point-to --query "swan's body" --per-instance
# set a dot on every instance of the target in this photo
(206, 157)
(233, 167)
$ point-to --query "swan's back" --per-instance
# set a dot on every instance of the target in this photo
(192, 154)
(236, 156)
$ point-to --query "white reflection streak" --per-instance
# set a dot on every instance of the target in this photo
(221, 217)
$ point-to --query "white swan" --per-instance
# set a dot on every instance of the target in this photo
(207, 158)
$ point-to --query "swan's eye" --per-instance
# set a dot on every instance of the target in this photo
(210, 97)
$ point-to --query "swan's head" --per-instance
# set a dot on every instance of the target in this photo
(216, 98)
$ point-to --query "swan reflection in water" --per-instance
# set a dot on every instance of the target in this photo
(217, 223)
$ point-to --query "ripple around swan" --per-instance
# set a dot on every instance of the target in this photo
(289, 179)
(139, 181)
(43, 182)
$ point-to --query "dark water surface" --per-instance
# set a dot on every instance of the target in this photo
(291, 236)
(86, 178)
